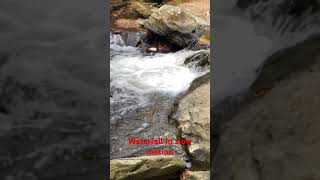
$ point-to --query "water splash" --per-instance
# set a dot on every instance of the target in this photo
(136, 75)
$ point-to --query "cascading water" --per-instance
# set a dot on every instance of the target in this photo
(135, 75)
(143, 89)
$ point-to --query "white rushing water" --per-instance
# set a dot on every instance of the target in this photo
(134, 74)
(158, 73)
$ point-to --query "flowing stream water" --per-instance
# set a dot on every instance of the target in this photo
(143, 89)
(135, 75)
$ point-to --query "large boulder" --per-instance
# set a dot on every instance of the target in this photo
(146, 167)
(178, 25)
(193, 117)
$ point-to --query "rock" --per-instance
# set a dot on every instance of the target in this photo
(275, 135)
(199, 61)
(198, 175)
(193, 117)
(154, 41)
(178, 25)
(203, 41)
(284, 62)
(142, 9)
(130, 124)
(140, 21)
(132, 38)
(146, 167)
(116, 39)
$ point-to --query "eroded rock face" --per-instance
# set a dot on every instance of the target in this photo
(193, 116)
(146, 167)
(179, 25)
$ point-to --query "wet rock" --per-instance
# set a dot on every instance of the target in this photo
(193, 117)
(132, 38)
(199, 61)
(203, 42)
(180, 26)
(146, 167)
(155, 41)
(131, 124)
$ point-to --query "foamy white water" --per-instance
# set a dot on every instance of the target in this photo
(159, 73)
(135, 75)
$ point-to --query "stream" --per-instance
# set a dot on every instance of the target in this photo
(143, 89)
